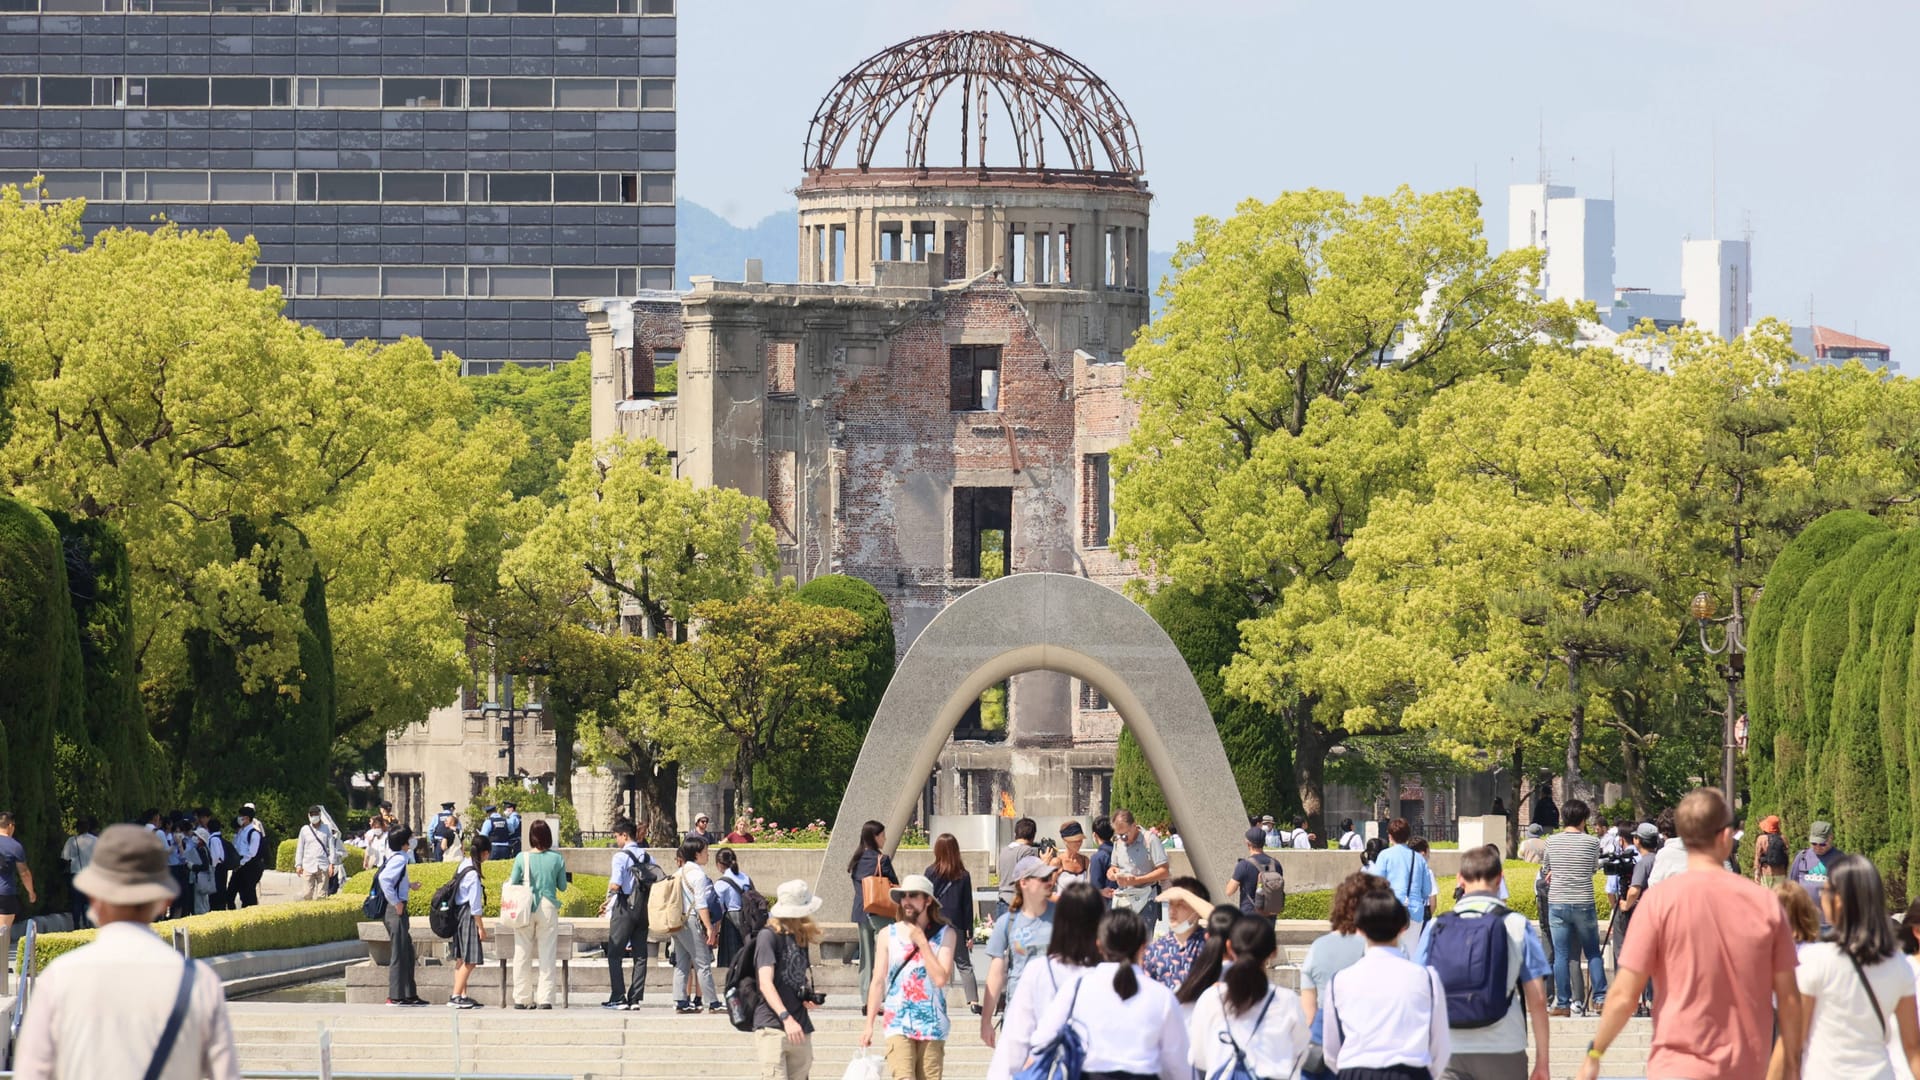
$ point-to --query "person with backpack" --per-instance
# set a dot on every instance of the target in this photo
(1129, 1025)
(1386, 1015)
(1259, 882)
(1245, 1028)
(1858, 988)
(1071, 951)
(1494, 969)
(629, 883)
(782, 1028)
(250, 846)
(699, 932)
(1350, 840)
(467, 945)
(1406, 872)
(1212, 962)
(730, 890)
(1770, 855)
(394, 887)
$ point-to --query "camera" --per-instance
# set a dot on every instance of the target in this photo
(1619, 864)
(814, 998)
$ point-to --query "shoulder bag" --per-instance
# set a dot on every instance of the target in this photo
(171, 1033)
(516, 901)
(876, 893)
(1878, 1014)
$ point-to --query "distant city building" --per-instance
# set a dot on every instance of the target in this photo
(462, 170)
(1830, 346)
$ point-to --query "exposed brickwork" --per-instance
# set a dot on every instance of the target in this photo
(780, 367)
(657, 327)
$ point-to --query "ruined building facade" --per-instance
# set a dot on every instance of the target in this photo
(934, 402)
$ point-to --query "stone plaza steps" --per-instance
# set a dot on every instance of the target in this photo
(588, 1043)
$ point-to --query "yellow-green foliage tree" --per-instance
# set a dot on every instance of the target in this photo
(1301, 339)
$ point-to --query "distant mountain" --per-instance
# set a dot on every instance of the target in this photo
(706, 243)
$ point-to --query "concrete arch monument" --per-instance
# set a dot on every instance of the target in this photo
(1034, 622)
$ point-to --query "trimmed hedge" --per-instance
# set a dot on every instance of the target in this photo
(581, 901)
(276, 926)
(1520, 875)
(283, 857)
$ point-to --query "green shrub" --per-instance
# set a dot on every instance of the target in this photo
(538, 803)
(1520, 896)
(217, 933)
(581, 901)
(283, 858)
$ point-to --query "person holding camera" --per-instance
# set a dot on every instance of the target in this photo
(782, 1030)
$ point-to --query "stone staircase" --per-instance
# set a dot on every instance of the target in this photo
(587, 1043)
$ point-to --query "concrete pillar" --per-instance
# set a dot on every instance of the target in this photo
(605, 392)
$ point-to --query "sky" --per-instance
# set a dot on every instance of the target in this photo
(1796, 115)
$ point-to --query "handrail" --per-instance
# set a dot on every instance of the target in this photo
(23, 989)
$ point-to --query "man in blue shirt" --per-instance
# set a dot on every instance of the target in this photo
(513, 827)
(632, 875)
(1406, 872)
(13, 860)
(1499, 1048)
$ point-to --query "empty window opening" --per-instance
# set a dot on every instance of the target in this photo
(1043, 257)
(1113, 258)
(891, 247)
(819, 253)
(1091, 699)
(839, 253)
(976, 378)
(1092, 791)
(1017, 260)
(1097, 499)
(956, 249)
(982, 532)
(1064, 243)
(781, 359)
(980, 789)
(639, 374)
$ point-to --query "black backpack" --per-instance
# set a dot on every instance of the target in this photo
(229, 856)
(443, 911)
(743, 982)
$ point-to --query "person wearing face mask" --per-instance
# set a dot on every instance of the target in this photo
(313, 856)
(1170, 957)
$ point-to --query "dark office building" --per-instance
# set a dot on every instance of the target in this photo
(463, 170)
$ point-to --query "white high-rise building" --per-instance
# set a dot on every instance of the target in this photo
(1580, 249)
(1527, 213)
(1716, 281)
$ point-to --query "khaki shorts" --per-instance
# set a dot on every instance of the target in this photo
(915, 1059)
(780, 1059)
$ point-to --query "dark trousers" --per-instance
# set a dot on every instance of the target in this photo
(222, 898)
(77, 907)
(1394, 1072)
(400, 985)
(246, 882)
(183, 900)
(635, 942)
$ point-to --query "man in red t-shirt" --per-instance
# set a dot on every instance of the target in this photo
(1718, 947)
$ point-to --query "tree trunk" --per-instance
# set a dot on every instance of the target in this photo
(743, 777)
(1636, 770)
(1576, 730)
(659, 794)
(1513, 801)
(565, 725)
(1311, 741)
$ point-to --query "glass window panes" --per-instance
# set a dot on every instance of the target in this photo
(73, 185)
(411, 93)
(656, 7)
(349, 281)
(167, 93)
(584, 281)
(576, 187)
(656, 188)
(67, 92)
(176, 187)
(520, 93)
(656, 93)
(348, 187)
(414, 281)
(251, 186)
(413, 187)
(19, 90)
(656, 277)
(520, 187)
(521, 282)
(586, 93)
(349, 94)
(248, 93)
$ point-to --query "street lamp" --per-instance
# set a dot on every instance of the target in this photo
(1734, 647)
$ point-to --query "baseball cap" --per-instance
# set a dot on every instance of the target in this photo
(1032, 866)
(1257, 836)
(1820, 833)
(1646, 831)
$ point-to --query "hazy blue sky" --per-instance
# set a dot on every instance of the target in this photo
(1813, 104)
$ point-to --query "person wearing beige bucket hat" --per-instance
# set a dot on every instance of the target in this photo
(98, 1014)
(910, 996)
(782, 1029)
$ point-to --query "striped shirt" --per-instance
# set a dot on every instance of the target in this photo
(1572, 858)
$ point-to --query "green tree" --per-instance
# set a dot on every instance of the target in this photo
(758, 664)
(552, 406)
(1299, 341)
(1205, 627)
(40, 673)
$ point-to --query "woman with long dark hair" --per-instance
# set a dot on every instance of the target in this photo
(731, 887)
(1856, 983)
(1244, 1017)
(1132, 1026)
(870, 859)
(1073, 948)
(1212, 961)
(953, 887)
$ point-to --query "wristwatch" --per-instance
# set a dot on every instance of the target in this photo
(1593, 1054)
(783, 1016)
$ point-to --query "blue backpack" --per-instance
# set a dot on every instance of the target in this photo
(1469, 953)
(1063, 1056)
(1238, 1069)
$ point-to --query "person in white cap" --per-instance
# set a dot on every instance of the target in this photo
(782, 1030)
(127, 1005)
(913, 994)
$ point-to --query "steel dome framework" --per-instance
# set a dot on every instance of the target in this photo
(1033, 86)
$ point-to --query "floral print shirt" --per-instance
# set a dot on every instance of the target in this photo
(914, 1007)
(1168, 961)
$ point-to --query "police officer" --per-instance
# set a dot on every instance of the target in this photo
(446, 832)
(513, 828)
(498, 834)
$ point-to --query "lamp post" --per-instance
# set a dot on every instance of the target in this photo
(507, 715)
(1734, 647)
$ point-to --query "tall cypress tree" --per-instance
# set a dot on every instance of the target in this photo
(40, 680)
(1856, 765)
(1824, 639)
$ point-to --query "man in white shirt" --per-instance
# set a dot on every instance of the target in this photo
(313, 857)
(106, 1009)
(77, 853)
(1139, 868)
(1302, 838)
(1672, 857)
(1275, 839)
(249, 840)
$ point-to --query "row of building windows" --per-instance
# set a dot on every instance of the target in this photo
(329, 92)
(462, 282)
(342, 7)
(192, 186)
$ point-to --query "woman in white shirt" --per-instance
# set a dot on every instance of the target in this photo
(375, 841)
(1243, 1016)
(1073, 948)
(1860, 988)
(1385, 1013)
(1130, 1025)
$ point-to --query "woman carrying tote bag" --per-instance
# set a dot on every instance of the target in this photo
(543, 872)
(872, 903)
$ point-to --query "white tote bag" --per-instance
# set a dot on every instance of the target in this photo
(516, 901)
(866, 1066)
